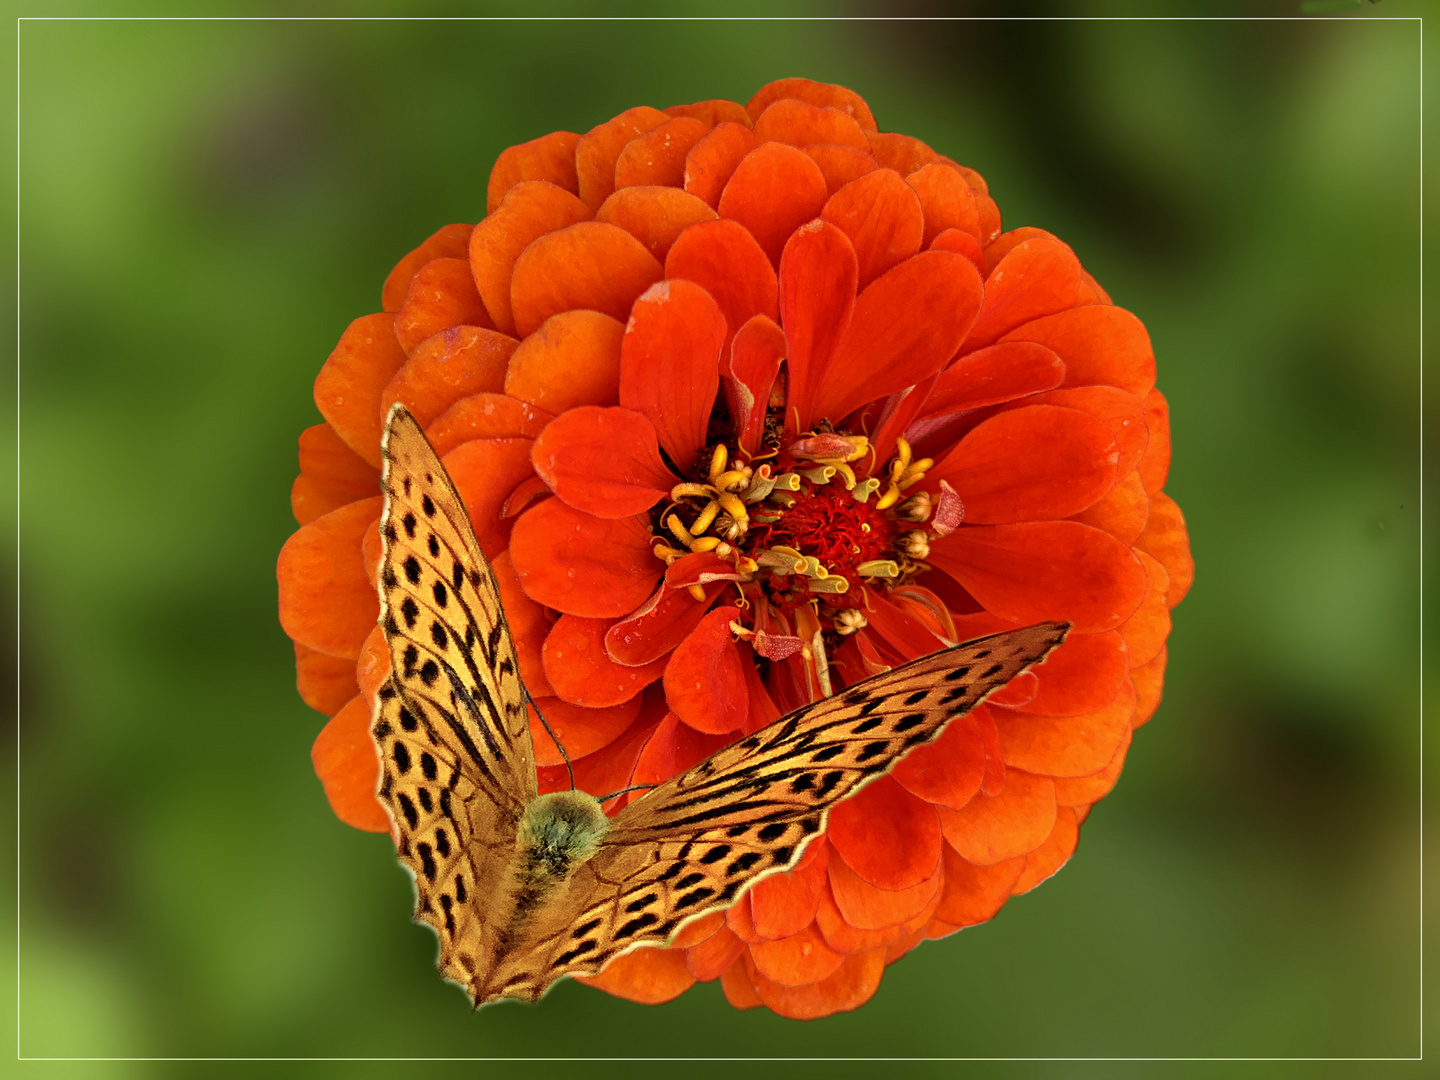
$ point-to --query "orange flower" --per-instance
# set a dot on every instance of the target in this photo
(748, 403)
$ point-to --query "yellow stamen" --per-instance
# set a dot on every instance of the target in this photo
(862, 447)
(885, 568)
(849, 475)
(698, 592)
(717, 463)
(706, 543)
(834, 585)
(674, 524)
(680, 491)
(819, 475)
(707, 515)
(731, 504)
(732, 480)
(889, 499)
(787, 482)
(862, 491)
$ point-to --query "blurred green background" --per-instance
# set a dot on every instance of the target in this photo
(204, 207)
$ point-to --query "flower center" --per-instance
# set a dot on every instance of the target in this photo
(804, 525)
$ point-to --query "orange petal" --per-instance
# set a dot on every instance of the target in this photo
(654, 215)
(1145, 631)
(1166, 539)
(947, 771)
(331, 475)
(348, 388)
(441, 295)
(704, 678)
(737, 918)
(845, 938)
(712, 161)
(373, 667)
(881, 215)
(868, 908)
(453, 364)
(448, 242)
(573, 359)
(813, 93)
(648, 975)
(348, 766)
(1003, 245)
(1155, 463)
(739, 991)
(1099, 344)
(947, 201)
(963, 242)
(1123, 411)
(529, 211)
(529, 625)
(698, 930)
(713, 956)
(581, 564)
(907, 324)
(612, 766)
(589, 265)
(605, 462)
(900, 152)
(841, 164)
(1123, 511)
(1065, 745)
(327, 600)
(1076, 791)
(796, 960)
(712, 112)
(799, 123)
(1054, 853)
(818, 276)
(325, 682)
(774, 190)
(1038, 278)
(599, 148)
(973, 894)
(755, 355)
(581, 730)
(1149, 680)
(485, 416)
(670, 365)
(991, 376)
(724, 260)
(1015, 822)
(887, 836)
(673, 748)
(485, 471)
(785, 904)
(550, 158)
(664, 621)
(1082, 675)
(1036, 463)
(1045, 570)
(582, 672)
(658, 156)
(853, 983)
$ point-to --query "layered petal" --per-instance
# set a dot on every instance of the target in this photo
(1037, 278)
(818, 277)
(882, 216)
(774, 190)
(581, 671)
(453, 364)
(705, 676)
(550, 158)
(485, 472)
(529, 211)
(1100, 344)
(670, 365)
(886, 835)
(348, 766)
(1045, 570)
(441, 295)
(655, 216)
(992, 829)
(573, 359)
(591, 265)
(605, 462)
(583, 565)
(447, 242)
(331, 475)
(327, 598)
(349, 386)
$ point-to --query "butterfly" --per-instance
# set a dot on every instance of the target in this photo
(523, 888)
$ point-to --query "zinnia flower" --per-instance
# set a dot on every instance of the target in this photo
(747, 404)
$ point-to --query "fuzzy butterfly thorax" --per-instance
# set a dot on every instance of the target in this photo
(523, 888)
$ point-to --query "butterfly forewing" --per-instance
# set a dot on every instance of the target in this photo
(441, 614)
(696, 843)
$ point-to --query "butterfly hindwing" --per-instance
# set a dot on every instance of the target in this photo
(696, 843)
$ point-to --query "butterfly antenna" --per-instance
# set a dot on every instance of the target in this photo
(556, 740)
(624, 790)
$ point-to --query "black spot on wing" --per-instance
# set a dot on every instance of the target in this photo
(411, 566)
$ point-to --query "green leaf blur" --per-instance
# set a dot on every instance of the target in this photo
(205, 206)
